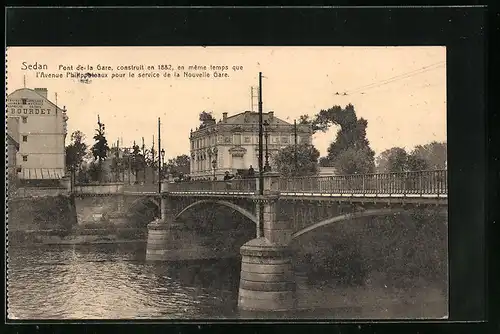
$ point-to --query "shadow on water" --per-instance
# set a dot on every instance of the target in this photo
(390, 267)
(348, 271)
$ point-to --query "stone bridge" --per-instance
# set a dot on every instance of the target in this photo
(283, 210)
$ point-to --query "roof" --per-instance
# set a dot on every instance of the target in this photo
(12, 141)
(41, 173)
(253, 117)
(31, 93)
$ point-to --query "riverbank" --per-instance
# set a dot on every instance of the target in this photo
(77, 236)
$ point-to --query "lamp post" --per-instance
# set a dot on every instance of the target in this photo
(295, 145)
(159, 158)
(214, 165)
(162, 162)
(267, 168)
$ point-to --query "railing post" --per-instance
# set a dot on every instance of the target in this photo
(271, 183)
(66, 183)
(420, 183)
(404, 183)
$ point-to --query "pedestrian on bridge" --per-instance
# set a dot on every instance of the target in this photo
(251, 172)
(227, 178)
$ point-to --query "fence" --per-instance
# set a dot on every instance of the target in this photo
(406, 183)
(235, 185)
(37, 192)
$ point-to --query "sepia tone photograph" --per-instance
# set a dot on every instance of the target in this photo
(236, 183)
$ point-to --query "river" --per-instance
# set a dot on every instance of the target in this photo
(115, 282)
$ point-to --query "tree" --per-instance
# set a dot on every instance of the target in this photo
(75, 151)
(100, 148)
(354, 161)
(305, 165)
(416, 163)
(180, 165)
(137, 160)
(95, 171)
(350, 136)
(206, 119)
(392, 160)
(434, 154)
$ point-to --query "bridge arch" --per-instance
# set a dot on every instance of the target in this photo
(149, 199)
(233, 206)
(349, 216)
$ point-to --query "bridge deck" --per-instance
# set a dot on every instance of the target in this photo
(429, 185)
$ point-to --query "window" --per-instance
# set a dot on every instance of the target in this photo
(25, 119)
(237, 139)
(24, 101)
(25, 158)
(25, 138)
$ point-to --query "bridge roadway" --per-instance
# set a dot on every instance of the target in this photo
(267, 281)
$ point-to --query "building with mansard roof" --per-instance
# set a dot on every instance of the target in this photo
(39, 127)
(232, 144)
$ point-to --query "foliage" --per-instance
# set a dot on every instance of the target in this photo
(306, 164)
(350, 141)
(354, 161)
(416, 163)
(95, 172)
(180, 165)
(324, 162)
(392, 160)
(206, 118)
(423, 157)
(100, 148)
(76, 151)
(434, 153)
(137, 160)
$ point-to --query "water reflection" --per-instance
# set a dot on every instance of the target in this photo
(115, 282)
(109, 282)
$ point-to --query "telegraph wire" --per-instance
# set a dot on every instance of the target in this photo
(401, 76)
(394, 78)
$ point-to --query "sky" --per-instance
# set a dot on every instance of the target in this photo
(400, 91)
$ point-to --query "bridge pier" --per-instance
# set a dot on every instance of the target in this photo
(267, 280)
(172, 240)
(119, 216)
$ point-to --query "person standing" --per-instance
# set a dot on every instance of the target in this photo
(251, 172)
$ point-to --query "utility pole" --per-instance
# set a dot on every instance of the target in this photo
(117, 160)
(261, 167)
(153, 159)
(159, 160)
(143, 160)
(295, 144)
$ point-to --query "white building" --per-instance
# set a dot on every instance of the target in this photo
(232, 144)
(39, 126)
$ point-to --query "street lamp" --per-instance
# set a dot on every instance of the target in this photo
(214, 165)
(267, 168)
(162, 162)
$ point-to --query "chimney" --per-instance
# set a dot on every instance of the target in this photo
(224, 117)
(41, 91)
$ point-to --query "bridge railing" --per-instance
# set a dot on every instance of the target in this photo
(406, 183)
(97, 188)
(141, 188)
(231, 186)
(23, 192)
